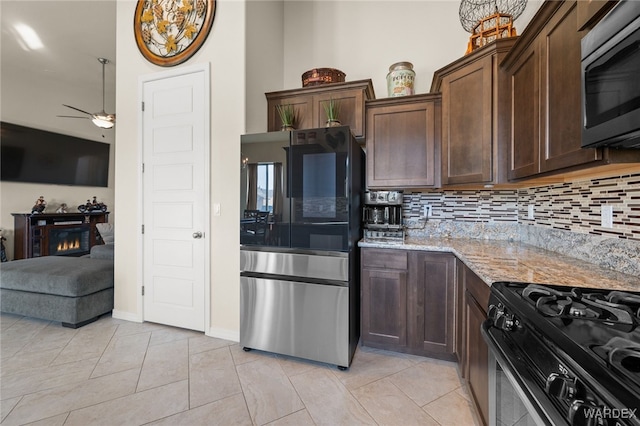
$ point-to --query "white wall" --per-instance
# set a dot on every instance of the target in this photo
(247, 59)
(225, 51)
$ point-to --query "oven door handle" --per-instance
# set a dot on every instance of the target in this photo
(516, 371)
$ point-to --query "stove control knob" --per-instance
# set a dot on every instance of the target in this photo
(504, 322)
(493, 312)
(581, 413)
(560, 386)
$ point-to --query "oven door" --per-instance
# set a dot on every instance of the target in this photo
(515, 397)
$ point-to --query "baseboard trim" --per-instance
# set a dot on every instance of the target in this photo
(221, 333)
(127, 316)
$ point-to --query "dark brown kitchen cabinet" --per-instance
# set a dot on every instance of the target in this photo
(308, 105)
(590, 12)
(460, 327)
(475, 364)
(408, 301)
(475, 125)
(544, 75)
(403, 142)
(384, 298)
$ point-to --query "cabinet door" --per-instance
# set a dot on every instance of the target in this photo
(384, 308)
(303, 106)
(525, 114)
(401, 143)
(431, 307)
(467, 107)
(476, 350)
(460, 326)
(561, 97)
(477, 357)
(351, 109)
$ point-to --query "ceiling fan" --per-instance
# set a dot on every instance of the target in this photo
(100, 119)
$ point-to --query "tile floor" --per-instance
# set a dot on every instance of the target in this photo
(114, 372)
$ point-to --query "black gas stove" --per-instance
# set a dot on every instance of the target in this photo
(571, 354)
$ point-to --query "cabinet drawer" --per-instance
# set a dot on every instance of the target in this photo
(477, 288)
(384, 258)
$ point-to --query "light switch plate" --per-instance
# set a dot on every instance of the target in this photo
(607, 216)
(530, 213)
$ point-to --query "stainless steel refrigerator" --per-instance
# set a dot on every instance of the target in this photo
(299, 228)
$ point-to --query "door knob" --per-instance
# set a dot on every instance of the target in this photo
(197, 234)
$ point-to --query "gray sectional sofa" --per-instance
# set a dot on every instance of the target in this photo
(72, 290)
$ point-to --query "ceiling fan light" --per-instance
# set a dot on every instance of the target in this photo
(102, 122)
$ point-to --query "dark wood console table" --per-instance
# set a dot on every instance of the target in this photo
(34, 233)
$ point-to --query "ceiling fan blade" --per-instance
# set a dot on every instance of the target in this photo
(77, 109)
(73, 116)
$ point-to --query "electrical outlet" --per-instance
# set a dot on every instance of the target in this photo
(427, 210)
(530, 214)
(607, 216)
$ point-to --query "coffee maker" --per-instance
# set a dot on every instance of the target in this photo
(382, 215)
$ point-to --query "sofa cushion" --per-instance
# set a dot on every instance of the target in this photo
(64, 276)
(103, 251)
(106, 232)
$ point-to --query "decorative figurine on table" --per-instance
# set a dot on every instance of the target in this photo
(92, 206)
(39, 206)
(62, 208)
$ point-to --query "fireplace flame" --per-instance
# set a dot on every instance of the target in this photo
(69, 245)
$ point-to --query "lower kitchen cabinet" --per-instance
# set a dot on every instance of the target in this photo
(408, 301)
(475, 360)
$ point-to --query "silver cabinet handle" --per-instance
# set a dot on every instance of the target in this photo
(197, 235)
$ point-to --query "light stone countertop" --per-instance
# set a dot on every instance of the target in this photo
(499, 260)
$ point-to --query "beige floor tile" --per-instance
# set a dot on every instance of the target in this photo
(293, 366)
(299, 418)
(53, 336)
(135, 409)
(18, 334)
(52, 421)
(451, 410)
(328, 400)
(229, 411)
(7, 320)
(165, 363)
(128, 328)
(90, 341)
(172, 334)
(427, 381)
(46, 378)
(240, 356)
(22, 362)
(123, 353)
(212, 377)
(367, 367)
(7, 404)
(388, 405)
(205, 343)
(52, 402)
(268, 391)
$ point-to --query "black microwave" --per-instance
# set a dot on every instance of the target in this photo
(611, 79)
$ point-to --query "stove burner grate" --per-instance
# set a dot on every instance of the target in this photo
(614, 308)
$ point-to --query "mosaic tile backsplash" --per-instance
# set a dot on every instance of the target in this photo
(567, 218)
(574, 207)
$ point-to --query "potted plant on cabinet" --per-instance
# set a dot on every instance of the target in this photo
(332, 110)
(287, 116)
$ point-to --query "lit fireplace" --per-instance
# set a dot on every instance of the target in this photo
(69, 241)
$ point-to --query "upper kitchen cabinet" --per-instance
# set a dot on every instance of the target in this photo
(545, 84)
(590, 12)
(403, 142)
(309, 110)
(475, 125)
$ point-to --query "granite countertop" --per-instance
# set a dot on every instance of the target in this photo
(499, 260)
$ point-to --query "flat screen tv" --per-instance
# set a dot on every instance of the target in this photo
(38, 156)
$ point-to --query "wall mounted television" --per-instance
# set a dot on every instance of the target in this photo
(39, 156)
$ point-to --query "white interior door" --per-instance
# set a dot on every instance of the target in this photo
(175, 137)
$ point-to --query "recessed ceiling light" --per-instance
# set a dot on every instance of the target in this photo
(29, 37)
